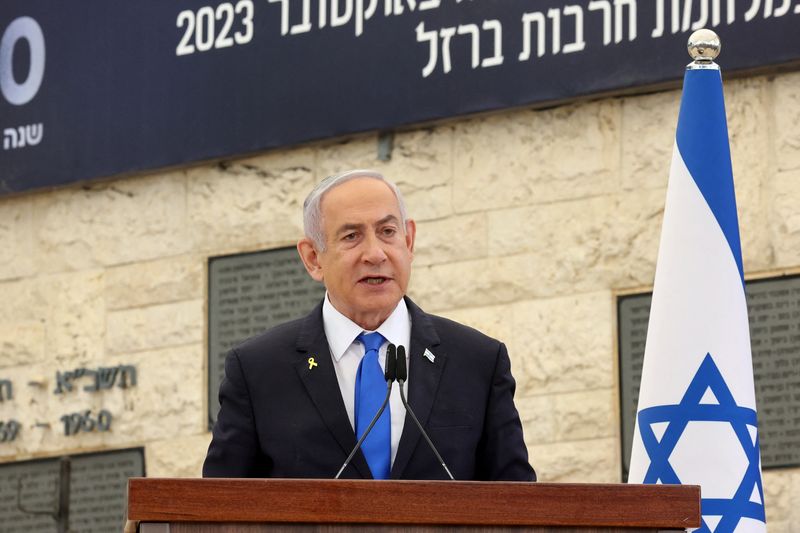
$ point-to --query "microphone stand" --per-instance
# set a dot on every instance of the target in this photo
(402, 375)
(389, 375)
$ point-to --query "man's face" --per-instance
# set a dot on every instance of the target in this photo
(366, 264)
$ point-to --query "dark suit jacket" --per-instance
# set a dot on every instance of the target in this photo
(280, 418)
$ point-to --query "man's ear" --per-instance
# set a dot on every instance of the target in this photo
(411, 233)
(310, 256)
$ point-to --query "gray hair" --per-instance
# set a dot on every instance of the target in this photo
(312, 212)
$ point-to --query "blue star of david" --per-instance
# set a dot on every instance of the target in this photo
(688, 410)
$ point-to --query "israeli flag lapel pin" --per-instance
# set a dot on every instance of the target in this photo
(429, 356)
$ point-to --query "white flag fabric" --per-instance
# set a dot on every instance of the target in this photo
(696, 419)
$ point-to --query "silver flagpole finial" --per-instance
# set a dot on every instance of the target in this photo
(704, 47)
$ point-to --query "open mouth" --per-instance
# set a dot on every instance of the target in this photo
(374, 280)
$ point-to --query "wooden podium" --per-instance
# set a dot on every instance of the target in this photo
(256, 505)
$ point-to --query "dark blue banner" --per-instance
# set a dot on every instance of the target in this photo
(97, 88)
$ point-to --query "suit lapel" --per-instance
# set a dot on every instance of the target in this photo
(319, 378)
(423, 382)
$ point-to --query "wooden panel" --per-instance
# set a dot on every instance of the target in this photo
(186, 527)
(413, 502)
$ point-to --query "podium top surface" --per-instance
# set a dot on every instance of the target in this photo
(413, 502)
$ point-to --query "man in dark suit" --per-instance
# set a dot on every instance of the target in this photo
(295, 398)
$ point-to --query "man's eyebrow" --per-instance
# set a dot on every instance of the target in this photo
(344, 228)
(348, 227)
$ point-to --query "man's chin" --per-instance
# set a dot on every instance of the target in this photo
(379, 305)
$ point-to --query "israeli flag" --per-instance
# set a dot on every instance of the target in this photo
(696, 420)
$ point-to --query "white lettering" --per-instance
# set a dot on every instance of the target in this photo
(340, 19)
(28, 29)
(496, 58)
(579, 44)
(555, 31)
(619, 5)
(446, 34)
(433, 50)
(527, 19)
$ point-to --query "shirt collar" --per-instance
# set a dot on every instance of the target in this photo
(341, 332)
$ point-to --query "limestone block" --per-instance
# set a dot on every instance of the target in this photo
(17, 249)
(69, 309)
(786, 112)
(166, 280)
(610, 241)
(35, 408)
(420, 157)
(110, 223)
(539, 424)
(748, 130)
(586, 414)
(451, 239)
(498, 280)
(21, 343)
(793, 491)
(788, 495)
(777, 495)
(428, 204)
(492, 321)
(420, 165)
(584, 461)
(157, 326)
(531, 157)
(779, 527)
(75, 315)
(566, 345)
(579, 246)
(166, 402)
(179, 457)
(473, 283)
(249, 203)
(23, 300)
(784, 218)
(648, 138)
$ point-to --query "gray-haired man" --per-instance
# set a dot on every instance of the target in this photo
(293, 398)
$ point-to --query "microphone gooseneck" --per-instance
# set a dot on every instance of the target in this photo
(402, 376)
(389, 374)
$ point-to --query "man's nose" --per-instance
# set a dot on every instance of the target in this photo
(373, 250)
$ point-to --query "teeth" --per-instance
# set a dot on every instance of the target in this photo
(374, 281)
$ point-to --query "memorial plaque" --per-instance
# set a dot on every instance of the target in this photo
(247, 294)
(632, 316)
(774, 310)
(98, 489)
(773, 307)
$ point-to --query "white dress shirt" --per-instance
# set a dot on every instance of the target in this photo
(347, 353)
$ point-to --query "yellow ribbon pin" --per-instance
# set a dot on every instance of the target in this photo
(311, 363)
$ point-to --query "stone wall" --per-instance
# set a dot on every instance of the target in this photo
(530, 223)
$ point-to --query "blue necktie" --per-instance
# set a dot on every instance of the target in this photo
(370, 391)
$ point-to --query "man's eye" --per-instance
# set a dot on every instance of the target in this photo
(388, 232)
(349, 237)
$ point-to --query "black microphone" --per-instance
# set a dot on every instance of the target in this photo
(402, 375)
(389, 375)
